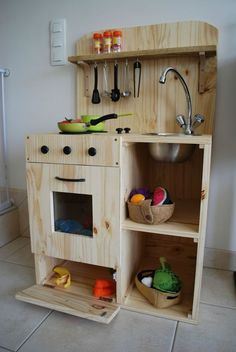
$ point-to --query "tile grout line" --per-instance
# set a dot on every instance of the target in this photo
(7, 349)
(35, 329)
(174, 337)
(217, 305)
(215, 268)
(22, 265)
(14, 251)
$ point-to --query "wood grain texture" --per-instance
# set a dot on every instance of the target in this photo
(122, 163)
(181, 239)
(166, 36)
(105, 156)
(103, 247)
(159, 46)
(181, 255)
(78, 305)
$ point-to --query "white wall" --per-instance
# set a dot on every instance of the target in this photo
(38, 95)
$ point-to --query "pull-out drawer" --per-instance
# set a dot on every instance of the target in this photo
(80, 306)
(77, 299)
(94, 149)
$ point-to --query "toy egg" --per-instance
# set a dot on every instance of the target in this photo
(137, 198)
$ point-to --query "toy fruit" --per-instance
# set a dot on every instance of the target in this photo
(143, 191)
(63, 276)
(164, 278)
(161, 196)
(137, 198)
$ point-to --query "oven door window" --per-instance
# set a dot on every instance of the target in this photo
(73, 213)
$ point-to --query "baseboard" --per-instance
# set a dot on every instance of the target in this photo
(19, 197)
(9, 226)
(220, 259)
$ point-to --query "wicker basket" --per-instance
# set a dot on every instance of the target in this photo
(156, 297)
(145, 213)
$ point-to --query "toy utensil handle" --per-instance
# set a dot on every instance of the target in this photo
(103, 118)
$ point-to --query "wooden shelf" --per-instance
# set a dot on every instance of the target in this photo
(183, 223)
(135, 301)
(144, 54)
(167, 228)
(183, 266)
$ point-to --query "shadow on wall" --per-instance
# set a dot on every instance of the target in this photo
(221, 227)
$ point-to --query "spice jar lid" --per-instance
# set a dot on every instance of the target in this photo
(107, 34)
(117, 34)
(97, 35)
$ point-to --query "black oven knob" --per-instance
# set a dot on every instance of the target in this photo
(67, 150)
(44, 149)
(92, 151)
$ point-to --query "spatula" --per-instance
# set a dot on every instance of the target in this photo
(95, 96)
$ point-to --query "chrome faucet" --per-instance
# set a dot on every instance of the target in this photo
(188, 124)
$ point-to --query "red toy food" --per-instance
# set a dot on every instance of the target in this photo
(104, 287)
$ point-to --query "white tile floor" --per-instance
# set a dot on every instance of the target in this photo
(29, 328)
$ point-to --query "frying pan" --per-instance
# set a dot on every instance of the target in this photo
(76, 127)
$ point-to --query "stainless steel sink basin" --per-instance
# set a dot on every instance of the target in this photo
(171, 152)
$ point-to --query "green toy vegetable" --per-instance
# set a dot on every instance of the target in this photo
(165, 280)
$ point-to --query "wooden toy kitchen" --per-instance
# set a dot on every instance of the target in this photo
(89, 176)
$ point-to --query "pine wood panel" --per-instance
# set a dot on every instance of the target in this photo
(131, 256)
(181, 255)
(157, 106)
(66, 302)
(103, 185)
(107, 149)
(179, 35)
(202, 228)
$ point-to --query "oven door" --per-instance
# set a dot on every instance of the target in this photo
(74, 212)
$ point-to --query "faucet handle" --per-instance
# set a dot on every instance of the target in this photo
(180, 119)
(197, 120)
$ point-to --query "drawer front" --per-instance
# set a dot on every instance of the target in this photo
(56, 192)
(67, 302)
(94, 149)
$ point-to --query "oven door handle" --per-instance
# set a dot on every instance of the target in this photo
(70, 179)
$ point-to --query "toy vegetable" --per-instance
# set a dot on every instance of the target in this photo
(164, 278)
(104, 287)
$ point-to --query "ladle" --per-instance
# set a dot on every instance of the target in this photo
(115, 93)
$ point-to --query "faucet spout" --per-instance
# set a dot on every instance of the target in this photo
(188, 125)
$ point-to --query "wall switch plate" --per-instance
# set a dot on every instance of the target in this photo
(58, 42)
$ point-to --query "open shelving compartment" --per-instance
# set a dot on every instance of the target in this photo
(180, 239)
(179, 252)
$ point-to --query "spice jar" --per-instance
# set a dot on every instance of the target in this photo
(107, 42)
(97, 41)
(116, 41)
